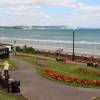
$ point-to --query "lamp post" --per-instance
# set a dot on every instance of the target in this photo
(73, 56)
(15, 47)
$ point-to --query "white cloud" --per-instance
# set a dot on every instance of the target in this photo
(78, 6)
(29, 11)
(88, 9)
(9, 1)
(40, 2)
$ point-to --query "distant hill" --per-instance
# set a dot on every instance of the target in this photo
(33, 27)
(42, 27)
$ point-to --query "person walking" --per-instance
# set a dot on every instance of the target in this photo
(6, 69)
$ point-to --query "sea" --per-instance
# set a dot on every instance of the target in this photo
(87, 41)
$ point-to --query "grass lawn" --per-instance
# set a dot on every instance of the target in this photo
(11, 62)
(66, 69)
(6, 96)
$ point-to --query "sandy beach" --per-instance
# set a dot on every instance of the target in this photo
(79, 52)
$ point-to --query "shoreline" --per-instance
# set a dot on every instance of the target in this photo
(79, 52)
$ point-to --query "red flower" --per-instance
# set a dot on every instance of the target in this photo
(58, 76)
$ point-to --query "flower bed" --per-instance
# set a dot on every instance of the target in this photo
(86, 71)
(41, 62)
(58, 76)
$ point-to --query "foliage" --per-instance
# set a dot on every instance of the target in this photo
(19, 49)
(25, 49)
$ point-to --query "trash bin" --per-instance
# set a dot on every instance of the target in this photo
(16, 87)
(10, 81)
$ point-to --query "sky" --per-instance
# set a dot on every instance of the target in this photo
(72, 13)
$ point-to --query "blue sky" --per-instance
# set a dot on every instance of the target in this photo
(73, 13)
(90, 2)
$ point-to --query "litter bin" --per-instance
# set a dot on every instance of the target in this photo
(10, 81)
(16, 87)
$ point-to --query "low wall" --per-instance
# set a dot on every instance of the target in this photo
(82, 58)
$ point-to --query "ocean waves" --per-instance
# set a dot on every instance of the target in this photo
(51, 41)
(81, 47)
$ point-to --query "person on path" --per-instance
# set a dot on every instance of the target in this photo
(6, 68)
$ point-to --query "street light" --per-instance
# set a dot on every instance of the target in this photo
(73, 56)
(15, 47)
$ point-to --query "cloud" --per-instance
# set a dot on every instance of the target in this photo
(40, 2)
(8, 1)
(88, 9)
(35, 12)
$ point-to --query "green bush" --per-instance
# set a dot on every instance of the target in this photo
(25, 49)
(19, 49)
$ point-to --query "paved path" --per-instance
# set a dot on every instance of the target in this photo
(34, 87)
